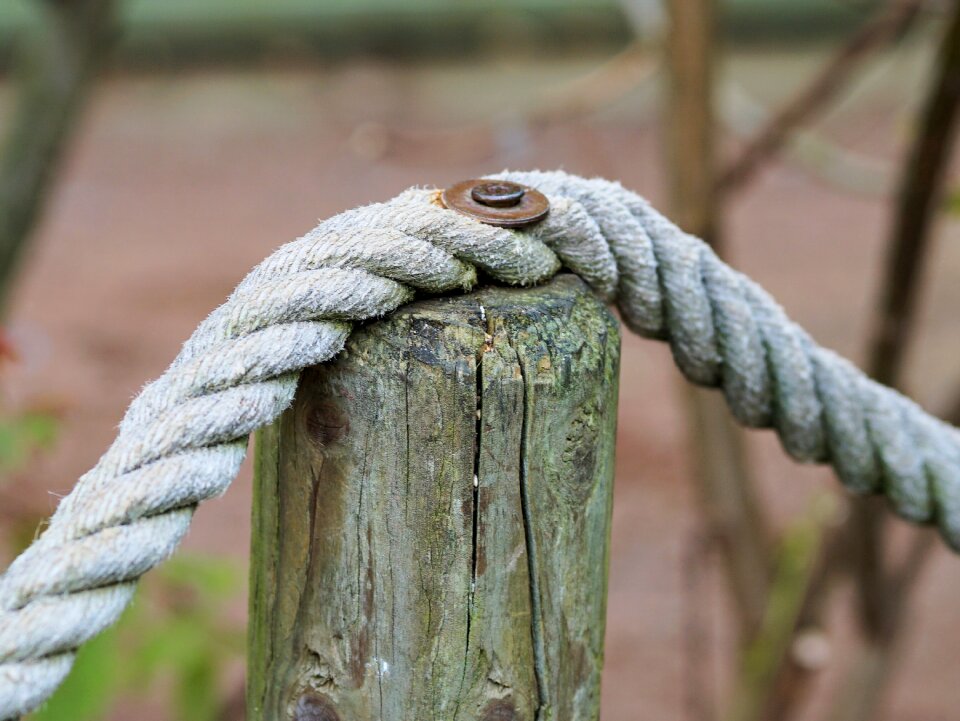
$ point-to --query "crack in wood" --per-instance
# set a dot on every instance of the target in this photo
(536, 610)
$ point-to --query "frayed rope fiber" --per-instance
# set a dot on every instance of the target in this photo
(183, 438)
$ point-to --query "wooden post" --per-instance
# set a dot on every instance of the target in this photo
(432, 517)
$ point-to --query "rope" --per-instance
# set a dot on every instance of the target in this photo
(183, 438)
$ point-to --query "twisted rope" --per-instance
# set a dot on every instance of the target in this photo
(183, 438)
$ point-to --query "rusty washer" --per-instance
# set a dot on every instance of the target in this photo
(497, 202)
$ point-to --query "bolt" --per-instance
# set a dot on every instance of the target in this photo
(502, 194)
(314, 707)
(497, 202)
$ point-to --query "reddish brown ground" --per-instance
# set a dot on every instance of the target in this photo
(179, 184)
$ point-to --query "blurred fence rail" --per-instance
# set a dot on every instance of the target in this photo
(181, 32)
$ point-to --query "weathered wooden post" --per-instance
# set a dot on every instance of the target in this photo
(432, 517)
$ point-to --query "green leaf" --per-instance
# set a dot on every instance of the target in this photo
(167, 643)
(23, 435)
(40, 428)
(186, 641)
(212, 579)
(197, 687)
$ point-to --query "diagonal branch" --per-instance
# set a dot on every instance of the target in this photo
(920, 191)
(797, 570)
(883, 593)
(917, 202)
(846, 547)
(889, 23)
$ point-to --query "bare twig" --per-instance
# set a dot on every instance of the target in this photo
(691, 124)
(826, 160)
(860, 696)
(877, 659)
(727, 494)
(698, 692)
(920, 190)
(889, 23)
(57, 68)
(904, 577)
(768, 652)
(733, 511)
(884, 594)
(793, 679)
(617, 77)
(862, 689)
(784, 681)
(867, 541)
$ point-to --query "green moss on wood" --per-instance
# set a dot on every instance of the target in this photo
(384, 582)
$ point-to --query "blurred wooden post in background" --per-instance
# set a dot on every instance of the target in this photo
(57, 65)
(386, 582)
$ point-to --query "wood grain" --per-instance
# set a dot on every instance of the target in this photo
(432, 517)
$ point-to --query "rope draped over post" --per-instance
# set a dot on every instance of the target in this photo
(183, 438)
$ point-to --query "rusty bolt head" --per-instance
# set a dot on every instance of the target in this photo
(498, 194)
(497, 202)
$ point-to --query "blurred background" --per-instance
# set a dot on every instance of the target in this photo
(153, 152)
